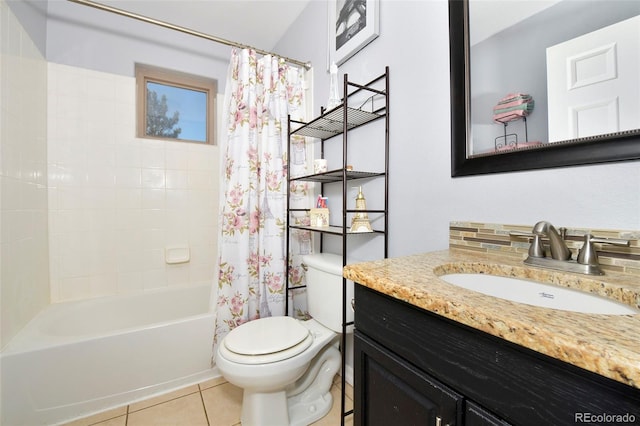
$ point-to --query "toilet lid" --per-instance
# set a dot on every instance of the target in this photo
(266, 336)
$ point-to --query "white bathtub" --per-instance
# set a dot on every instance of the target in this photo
(78, 358)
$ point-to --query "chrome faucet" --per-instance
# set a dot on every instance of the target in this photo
(557, 245)
(586, 261)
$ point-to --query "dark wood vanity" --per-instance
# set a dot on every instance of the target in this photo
(415, 367)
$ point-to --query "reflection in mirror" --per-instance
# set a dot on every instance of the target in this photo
(543, 84)
(549, 71)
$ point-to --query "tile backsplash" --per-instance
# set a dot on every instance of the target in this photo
(117, 201)
(492, 237)
(23, 177)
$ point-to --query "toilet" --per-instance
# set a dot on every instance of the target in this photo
(286, 366)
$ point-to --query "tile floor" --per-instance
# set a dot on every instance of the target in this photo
(212, 403)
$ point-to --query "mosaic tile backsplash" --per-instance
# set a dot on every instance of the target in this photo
(491, 237)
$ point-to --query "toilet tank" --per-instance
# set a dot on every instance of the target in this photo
(324, 290)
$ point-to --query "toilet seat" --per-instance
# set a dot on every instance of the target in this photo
(266, 340)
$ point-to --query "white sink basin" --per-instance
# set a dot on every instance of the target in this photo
(539, 294)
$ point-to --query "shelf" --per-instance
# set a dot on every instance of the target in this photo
(332, 122)
(336, 176)
(336, 230)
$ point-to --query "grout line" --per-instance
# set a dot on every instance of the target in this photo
(204, 407)
(163, 402)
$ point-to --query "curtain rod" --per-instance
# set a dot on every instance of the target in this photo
(306, 65)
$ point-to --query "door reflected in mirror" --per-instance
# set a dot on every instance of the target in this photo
(593, 82)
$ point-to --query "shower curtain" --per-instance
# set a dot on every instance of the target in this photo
(259, 95)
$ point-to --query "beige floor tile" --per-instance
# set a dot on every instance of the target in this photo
(349, 391)
(349, 388)
(185, 411)
(136, 406)
(184, 407)
(117, 416)
(337, 380)
(223, 404)
(213, 382)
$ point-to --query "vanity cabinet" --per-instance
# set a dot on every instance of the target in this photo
(415, 367)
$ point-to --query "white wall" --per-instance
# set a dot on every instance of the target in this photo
(24, 286)
(94, 39)
(424, 198)
(116, 201)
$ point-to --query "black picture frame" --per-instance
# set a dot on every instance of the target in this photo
(354, 38)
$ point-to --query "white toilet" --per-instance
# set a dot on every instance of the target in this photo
(286, 366)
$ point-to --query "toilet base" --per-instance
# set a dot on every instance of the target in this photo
(293, 411)
(304, 402)
(303, 413)
(264, 408)
(309, 402)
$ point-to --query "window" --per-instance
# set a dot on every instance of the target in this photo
(172, 105)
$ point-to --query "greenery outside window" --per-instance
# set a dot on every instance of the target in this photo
(173, 105)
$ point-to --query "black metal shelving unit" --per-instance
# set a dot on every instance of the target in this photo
(330, 124)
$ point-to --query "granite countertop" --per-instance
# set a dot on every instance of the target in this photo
(608, 345)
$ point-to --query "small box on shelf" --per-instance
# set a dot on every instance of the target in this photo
(319, 217)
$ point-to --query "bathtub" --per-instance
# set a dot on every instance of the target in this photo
(79, 358)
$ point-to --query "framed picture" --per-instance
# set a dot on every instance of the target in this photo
(352, 25)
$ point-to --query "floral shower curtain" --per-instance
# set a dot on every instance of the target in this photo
(259, 95)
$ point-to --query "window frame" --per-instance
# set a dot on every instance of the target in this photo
(148, 73)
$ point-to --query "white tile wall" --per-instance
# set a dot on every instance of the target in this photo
(24, 285)
(116, 201)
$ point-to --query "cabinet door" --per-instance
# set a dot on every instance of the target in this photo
(391, 391)
(475, 415)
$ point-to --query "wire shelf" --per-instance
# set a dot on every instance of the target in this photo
(332, 123)
(336, 176)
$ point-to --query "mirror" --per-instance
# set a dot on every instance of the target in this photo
(482, 143)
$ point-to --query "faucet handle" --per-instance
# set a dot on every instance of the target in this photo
(587, 254)
(535, 249)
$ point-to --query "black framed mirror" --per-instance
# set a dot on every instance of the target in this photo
(611, 147)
